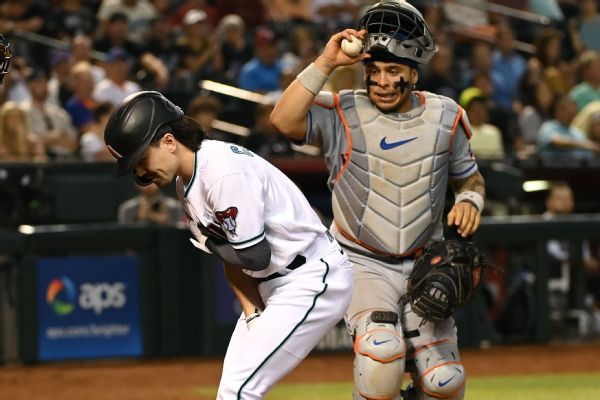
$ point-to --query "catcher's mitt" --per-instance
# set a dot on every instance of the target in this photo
(444, 278)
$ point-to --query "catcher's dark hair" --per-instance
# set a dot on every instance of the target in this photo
(187, 131)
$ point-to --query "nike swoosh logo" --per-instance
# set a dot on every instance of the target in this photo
(376, 343)
(387, 146)
(442, 384)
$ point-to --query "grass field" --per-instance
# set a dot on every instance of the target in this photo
(529, 387)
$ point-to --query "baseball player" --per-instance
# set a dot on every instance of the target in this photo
(391, 152)
(282, 262)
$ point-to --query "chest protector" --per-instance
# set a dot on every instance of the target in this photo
(389, 195)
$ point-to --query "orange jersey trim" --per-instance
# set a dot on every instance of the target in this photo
(336, 101)
(416, 252)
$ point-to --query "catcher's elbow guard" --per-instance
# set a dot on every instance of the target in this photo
(441, 374)
(380, 359)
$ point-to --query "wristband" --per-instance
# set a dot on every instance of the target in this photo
(312, 79)
(472, 197)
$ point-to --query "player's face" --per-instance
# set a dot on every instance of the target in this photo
(390, 85)
(158, 165)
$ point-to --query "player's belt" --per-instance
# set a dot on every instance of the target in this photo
(297, 262)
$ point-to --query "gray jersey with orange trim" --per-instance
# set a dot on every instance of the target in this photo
(389, 171)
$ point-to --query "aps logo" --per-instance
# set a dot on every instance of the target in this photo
(61, 295)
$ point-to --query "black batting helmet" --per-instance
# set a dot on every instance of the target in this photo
(134, 123)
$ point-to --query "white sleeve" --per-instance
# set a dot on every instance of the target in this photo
(238, 205)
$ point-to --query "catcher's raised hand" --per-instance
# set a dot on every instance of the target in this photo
(466, 217)
(333, 56)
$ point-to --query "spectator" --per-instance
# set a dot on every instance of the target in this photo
(27, 16)
(262, 74)
(235, 49)
(198, 52)
(439, 77)
(59, 87)
(486, 139)
(71, 18)
(150, 206)
(205, 110)
(81, 104)
(265, 140)
(583, 119)
(560, 202)
(585, 29)
(81, 50)
(548, 64)
(161, 43)
(48, 122)
(508, 66)
(480, 64)
(116, 86)
(558, 138)
(589, 89)
(115, 35)
(91, 143)
(208, 7)
(17, 143)
(537, 110)
(594, 133)
(139, 13)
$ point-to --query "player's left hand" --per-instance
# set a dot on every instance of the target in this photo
(466, 217)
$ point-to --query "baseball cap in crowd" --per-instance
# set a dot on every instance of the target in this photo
(468, 95)
(264, 37)
(117, 54)
(194, 16)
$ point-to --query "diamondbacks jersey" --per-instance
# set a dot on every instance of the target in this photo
(244, 198)
(389, 172)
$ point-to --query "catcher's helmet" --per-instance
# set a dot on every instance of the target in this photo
(5, 55)
(134, 123)
(396, 31)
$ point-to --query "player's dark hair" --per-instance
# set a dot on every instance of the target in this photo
(187, 131)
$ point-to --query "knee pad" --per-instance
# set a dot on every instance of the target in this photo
(440, 372)
(379, 356)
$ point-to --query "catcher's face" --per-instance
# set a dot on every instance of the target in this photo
(390, 85)
(159, 163)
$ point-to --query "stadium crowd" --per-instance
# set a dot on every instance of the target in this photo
(528, 88)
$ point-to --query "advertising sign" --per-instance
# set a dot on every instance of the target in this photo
(88, 307)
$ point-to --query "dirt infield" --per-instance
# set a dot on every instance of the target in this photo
(176, 379)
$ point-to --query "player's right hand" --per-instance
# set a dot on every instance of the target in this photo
(333, 56)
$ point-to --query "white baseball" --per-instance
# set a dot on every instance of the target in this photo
(352, 48)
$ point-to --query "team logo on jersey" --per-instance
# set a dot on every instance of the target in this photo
(227, 219)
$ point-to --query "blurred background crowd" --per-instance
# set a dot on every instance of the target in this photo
(527, 72)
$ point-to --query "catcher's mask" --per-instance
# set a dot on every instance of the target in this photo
(5, 55)
(397, 32)
(133, 125)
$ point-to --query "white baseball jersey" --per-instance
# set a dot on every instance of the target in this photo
(249, 199)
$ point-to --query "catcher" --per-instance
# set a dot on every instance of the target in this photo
(391, 152)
